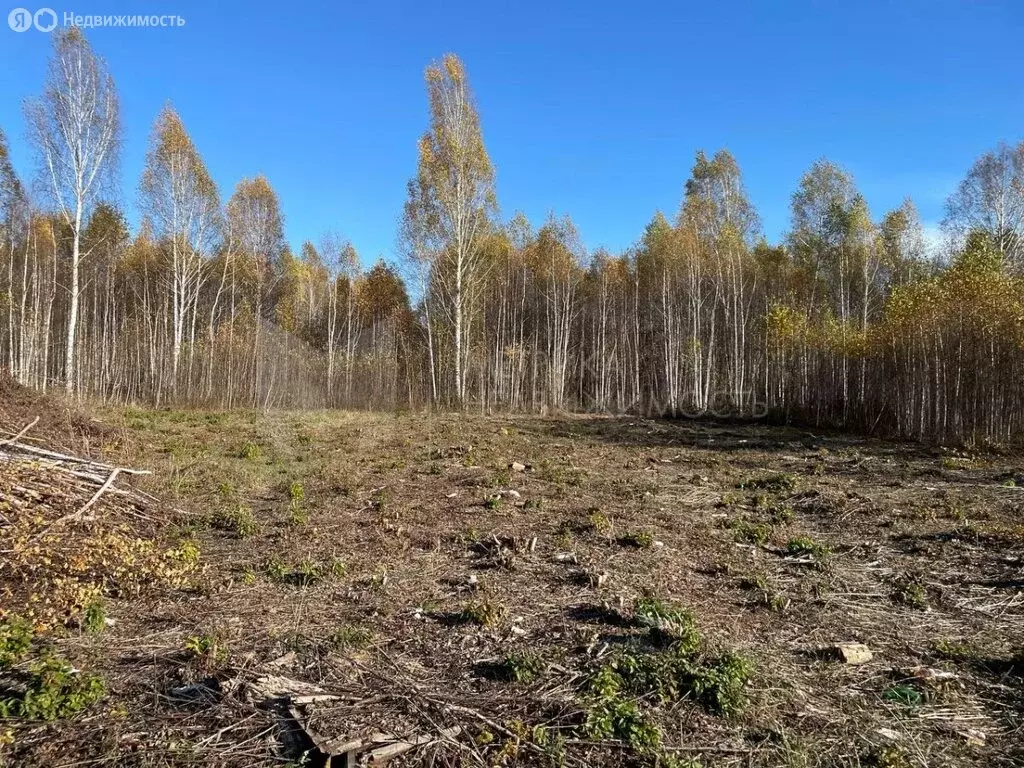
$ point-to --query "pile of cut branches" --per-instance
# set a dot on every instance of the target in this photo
(72, 531)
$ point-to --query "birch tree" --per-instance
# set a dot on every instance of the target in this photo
(181, 199)
(255, 220)
(990, 199)
(454, 190)
(75, 127)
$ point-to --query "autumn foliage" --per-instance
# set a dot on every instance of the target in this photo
(849, 321)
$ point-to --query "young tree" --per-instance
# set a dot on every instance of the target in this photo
(181, 199)
(254, 218)
(75, 127)
(719, 218)
(452, 199)
(902, 245)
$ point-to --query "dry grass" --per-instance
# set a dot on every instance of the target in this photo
(400, 564)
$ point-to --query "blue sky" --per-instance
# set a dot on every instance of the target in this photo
(592, 109)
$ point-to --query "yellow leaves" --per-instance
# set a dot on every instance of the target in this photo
(57, 573)
(786, 324)
(514, 352)
(453, 67)
(455, 177)
(973, 296)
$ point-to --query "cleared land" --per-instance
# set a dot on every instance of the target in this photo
(631, 592)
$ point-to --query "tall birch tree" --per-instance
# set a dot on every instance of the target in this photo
(454, 192)
(75, 127)
(181, 199)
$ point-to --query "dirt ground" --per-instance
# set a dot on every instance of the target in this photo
(576, 591)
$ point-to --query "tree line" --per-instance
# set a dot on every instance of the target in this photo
(849, 321)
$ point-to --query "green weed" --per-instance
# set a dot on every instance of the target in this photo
(208, 649)
(746, 532)
(610, 718)
(906, 695)
(522, 667)
(53, 690)
(911, 591)
(238, 520)
(94, 620)
(668, 623)
(250, 451)
(805, 545)
(15, 640)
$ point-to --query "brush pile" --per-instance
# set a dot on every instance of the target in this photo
(72, 531)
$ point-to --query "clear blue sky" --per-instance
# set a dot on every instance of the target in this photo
(593, 109)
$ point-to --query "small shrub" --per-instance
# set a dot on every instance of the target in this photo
(53, 690)
(911, 592)
(250, 451)
(297, 514)
(15, 640)
(379, 580)
(187, 552)
(610, 718)
(952, 650)
(664, 677)
(209, 649)
(668, 623)
(238, 520)
(805, 545)
(308, 573)
(720, 685)
(886, 757)
(275, 568)
(295, 491)
(493, 502)
(522, 667)
(779, 514)
(746, 532)
(94, 620)
(484, 738)
(766, 595)
(485, 613)
(599, 523)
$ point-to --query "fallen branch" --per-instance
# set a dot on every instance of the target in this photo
(24, 431)
(381, 755)
(95, 497)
